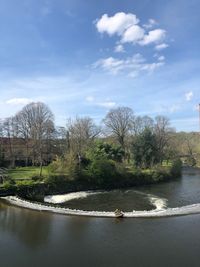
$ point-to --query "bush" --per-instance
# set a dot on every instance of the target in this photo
(102, 150)
(9, 180)
(37, 178)
(9, 186)
(56, 179)
(67, 166)
(176, 168)
(102, 172)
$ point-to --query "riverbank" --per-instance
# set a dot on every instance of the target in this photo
(60, 184)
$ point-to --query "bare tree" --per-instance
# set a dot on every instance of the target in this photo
(36, 125)
(81, 132)
(162, 131)
(119, 122)
(9, 132)
(141, 123)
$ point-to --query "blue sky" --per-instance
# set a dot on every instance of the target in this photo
(85, 57)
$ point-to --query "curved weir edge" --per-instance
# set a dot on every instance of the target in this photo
(185, 210)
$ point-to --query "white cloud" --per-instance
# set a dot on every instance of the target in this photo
(161, 58)
(154, 36)
(132, 66)
(127, 27)
(189, 96)
(116, 24)
(133, 34)
(110, 64)
(119, 48)
(161, 46)
(151, 67)
(151, 23)
(105, 104)
(19, 101)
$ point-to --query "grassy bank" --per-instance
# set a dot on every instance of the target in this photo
(28, 187)
(26, 173)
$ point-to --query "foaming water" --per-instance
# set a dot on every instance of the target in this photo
(178, 197)
(58, 199)
(159, 203)
(185, 210)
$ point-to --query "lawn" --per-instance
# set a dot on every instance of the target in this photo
(26, 173)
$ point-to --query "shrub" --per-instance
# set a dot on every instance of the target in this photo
(176, 168)
(37, 178)
(56, 179)
(102, 171)
(67, 166)
(102, 150)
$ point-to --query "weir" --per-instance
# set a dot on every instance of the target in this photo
(178, 211)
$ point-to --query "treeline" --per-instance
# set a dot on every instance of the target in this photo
(125, 150)
(31, 137)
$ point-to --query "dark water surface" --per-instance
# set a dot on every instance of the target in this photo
(30, 238)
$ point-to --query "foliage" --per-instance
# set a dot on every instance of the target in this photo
(103, 150)
(56, 179)
(68, 165)
(144, 149)
(176, 168)
(102, 171)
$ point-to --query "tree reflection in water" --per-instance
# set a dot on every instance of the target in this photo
(33, 229)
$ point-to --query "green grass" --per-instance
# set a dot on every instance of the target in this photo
(26, 173)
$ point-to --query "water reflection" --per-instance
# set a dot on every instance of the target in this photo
(29, 238)
(30, 228)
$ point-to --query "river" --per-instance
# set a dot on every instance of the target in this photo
(33, 238)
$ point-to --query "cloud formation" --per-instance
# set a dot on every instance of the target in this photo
(189, 96)
(116, 24)
(161, 46)
(119, 48)
(132, 66)
(154, 36)
(151, 23)
(126, 26)
(19, 101)
(105, 104)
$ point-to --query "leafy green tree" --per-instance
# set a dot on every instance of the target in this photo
(102, 171)
(103, 150)
(144, 149)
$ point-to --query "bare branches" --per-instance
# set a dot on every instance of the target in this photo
(119, 122)
(82, 131)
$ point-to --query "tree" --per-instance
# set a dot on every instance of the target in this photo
(140, 123)
(119, 122)
(162, 131)
(9, 131)
(81, 133)
(102, 150)
(144, 149)
(36, 125)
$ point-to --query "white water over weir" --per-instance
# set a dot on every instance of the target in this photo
(185, 210)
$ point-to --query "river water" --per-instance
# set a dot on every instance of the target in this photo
(33, 238)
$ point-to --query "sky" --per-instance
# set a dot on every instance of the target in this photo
(85, 57)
